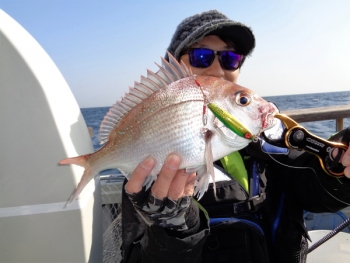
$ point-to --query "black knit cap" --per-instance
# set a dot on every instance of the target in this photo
(194, 28)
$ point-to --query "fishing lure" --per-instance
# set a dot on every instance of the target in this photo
(230, 121)
(225, 117)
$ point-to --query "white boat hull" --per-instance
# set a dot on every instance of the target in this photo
(41, 124)
(336, 249)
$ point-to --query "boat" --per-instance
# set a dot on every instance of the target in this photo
(41, 123)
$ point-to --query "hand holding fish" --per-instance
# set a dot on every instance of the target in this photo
(171, 182)
(170, 196)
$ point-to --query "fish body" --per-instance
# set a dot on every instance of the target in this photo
(164, 114)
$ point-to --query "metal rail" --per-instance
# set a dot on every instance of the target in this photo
(339, 113)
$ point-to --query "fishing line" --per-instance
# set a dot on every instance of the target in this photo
(299, 167)
(329, 192)
(205, 103)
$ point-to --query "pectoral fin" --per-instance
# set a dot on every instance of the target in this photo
(207, 169)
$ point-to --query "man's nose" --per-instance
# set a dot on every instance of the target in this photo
(215, 69)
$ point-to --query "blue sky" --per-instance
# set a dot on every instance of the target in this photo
(102, 47)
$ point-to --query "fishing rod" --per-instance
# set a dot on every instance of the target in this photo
(330, 235)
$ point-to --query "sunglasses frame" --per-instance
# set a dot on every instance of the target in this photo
(189, 50)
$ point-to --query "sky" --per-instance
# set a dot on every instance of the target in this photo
(102, 47)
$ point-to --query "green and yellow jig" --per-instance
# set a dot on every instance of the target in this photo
(226, 118)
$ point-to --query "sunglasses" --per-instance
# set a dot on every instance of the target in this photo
(204, 57)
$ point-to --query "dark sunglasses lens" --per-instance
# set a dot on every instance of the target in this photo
(201, 58)
(230, 60)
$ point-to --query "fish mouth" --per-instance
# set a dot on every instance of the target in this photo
(268, 118)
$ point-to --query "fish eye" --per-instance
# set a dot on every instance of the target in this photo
(243, 98)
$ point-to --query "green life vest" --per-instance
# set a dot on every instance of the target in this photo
(234, 165)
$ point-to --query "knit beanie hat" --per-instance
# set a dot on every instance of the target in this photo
(194, 28)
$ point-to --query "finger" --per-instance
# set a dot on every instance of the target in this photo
(347, 172)
(189, 188)
(161, 186)
(135, 183)
(346, 158)
(178, 184)
(346, 162)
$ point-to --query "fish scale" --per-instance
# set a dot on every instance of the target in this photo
(164, 114)
(157, 142)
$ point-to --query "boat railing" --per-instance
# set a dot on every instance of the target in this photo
(337, 113)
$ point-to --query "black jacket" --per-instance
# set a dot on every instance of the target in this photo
(266, 227)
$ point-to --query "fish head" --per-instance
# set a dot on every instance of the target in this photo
(250, 111)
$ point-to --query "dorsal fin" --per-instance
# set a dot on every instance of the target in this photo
(176, 72)
(169, 72)
(164, 74)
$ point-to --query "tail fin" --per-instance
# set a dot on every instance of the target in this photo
(85, 179)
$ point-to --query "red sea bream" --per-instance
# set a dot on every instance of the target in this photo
(163, 114)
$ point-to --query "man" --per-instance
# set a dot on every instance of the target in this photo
(261, 222)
